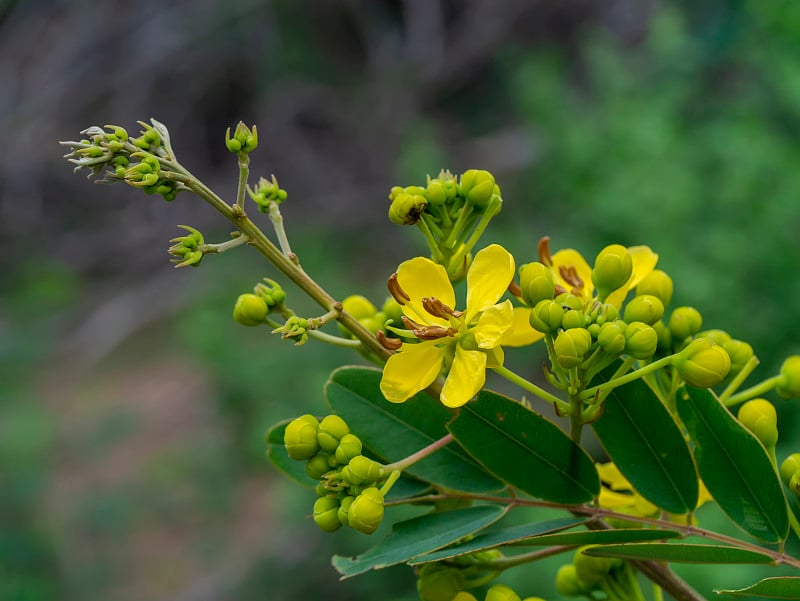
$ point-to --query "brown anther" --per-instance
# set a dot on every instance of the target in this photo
(438, 309)
(514, 289)
(570, 275)
(544, 251)
(411, 324)
(396, 291)
(559, 289)
(390, 344)
(434, 332)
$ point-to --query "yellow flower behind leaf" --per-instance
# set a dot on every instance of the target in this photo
(467, 341)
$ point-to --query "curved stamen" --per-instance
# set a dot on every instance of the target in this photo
(396, 291)
(438, 309)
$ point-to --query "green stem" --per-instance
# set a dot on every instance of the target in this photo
(436, 254)
(753, 391)
(223, 246)
(575, 418)
(455, 233)
(601, 389)
(244, 172)
(504, 563)
(490, 212)
(751, 364)
(421, 454)
(277, 223)
(509, 375)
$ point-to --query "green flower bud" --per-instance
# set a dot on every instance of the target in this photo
(591, 570)
(794, 484)
(759, 416)
(685, 322)
(271, 293)
(702, 363)
(477, 187)
(645, 308)
(606, 313)
(344, 509)
(568, 584)
(349, 447)
(436, 193)
(664, 336)
(393, 311)
(546, 316)
(501, 592)
(740, 353)
(720, 337)
(611, 337)
(536, 282)
(244, 139)
(789, 383)
(250, 310)
(613, 267)
(571, 346)
(464, 596)
(573, 319)
(300, 437)
(437, 582)
(641, 340)
(366, 512)
(658, 284)
(359, 306)
(331, 430)
(318, 466)
(790, 467)
(326, 514)
(406, 209)
(362, 470)
(569, 301)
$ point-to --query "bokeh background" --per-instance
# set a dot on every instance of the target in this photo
(132, 408)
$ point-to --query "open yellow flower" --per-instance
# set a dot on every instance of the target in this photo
(467, 341)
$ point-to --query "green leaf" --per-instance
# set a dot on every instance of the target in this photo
(276, 453)
(488, 539)
(642, 438)
(395, 430)
(418, 536)
(525, 449)
(780, 587)
(603, 537)
(682, 553)
(734, 466)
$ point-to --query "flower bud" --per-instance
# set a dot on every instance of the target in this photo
(658, 284)
(571, 346)
(366, 512)
(362, 470)
(685, 322)
(344, 509)
(613, 267)
(645, 308)
(300, 437)
(536, 282)
(546, 316)
(702, 363)
(641, 340)
(568, 584)
(393, 311)
(326, 516)
(664, 336)
(438, 582)
(790, 467)
(359, 306)
(349, 447)
(606, 313)
(271, 293)
(436, 193)
(501, 592)
(477, 187)
(789, 383)
(464, 596)
(611, 337)
(573, 319)
(318, 466)
(719, 337)
(759, 416)
(591, 570)
(407, 208)
(569, 301)
(331, 430)
(740, 353)
(250, 310)
(794, 483)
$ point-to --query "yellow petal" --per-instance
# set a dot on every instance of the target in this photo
(419, 278)
(495, 357)
(610, 475)
(467, 376)
(570, 257)
(704, 496)
(492, 323)
(410, 370)
(520, 333)
(644, 261)
(488, 278)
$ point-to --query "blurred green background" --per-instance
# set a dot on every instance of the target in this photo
(132, 408)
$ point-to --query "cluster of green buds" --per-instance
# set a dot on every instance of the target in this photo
(498, 592)
(790, 473)
(451, 212)
(244, 139)
(347, 492)
(370, 316)
(267, 193)
(188, 249)
(587, 575)
(252, 309)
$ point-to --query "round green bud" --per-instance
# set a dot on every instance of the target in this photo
(406, 208)
(568, 584)
(606, 313)
(536, 282)
(436, 193)
(645, 308)
(366, 512)
(331, 430)
(546, 316)
(363, 470)
(233, 144)
(759, 416)
(664, 336)
(789, 382)
(658, 284)
(790, 467)
(641, 340)
(392, 310)
(720, 337)
(611, 337)
(569, 301)
(740, 353)
(501, 592)
(593, 329)
(349, 447)
(571, 346)
(591, 570)
(300, 437)
(464, 596)
(250, 310)
(437, 582)
(318, 466)
(359, 306)
(613, 267)
(685, 322)
(477, 187)
(326, 514)
(702, 363)
(794, 484)
(344, 509)
(573, 319)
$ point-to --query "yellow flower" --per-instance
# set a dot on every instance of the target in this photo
(468, 341)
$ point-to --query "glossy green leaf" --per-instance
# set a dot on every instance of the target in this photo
(418, 536)
(489, 539)
(276, 453)
(395, 430)
(680, 552)
(780, 587)
(525, 449)
(734, 466)
(642, 438)
(603, 537)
